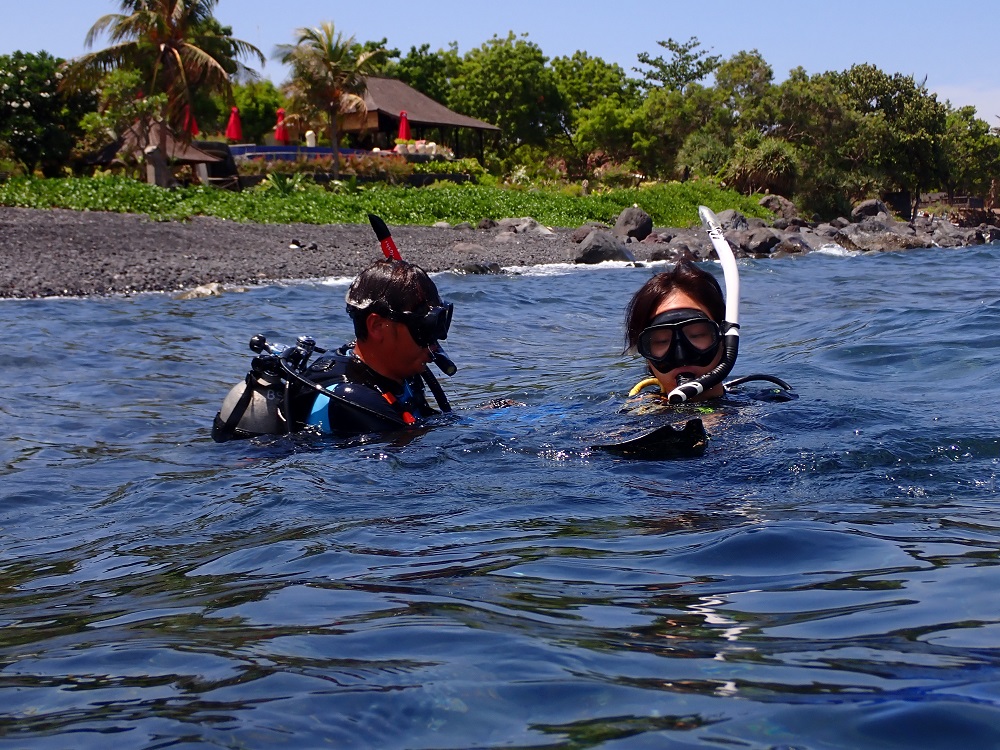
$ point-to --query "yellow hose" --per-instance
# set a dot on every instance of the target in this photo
(647, 383)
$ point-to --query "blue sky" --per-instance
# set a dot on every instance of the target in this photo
(948, 43)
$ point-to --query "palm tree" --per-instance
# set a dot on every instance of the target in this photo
(327, 75)
(178, 45)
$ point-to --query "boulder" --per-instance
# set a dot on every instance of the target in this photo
(780, 206)
(875, 236)
(732, 219)
(524, 225)
(790, 245)
(633, 222)
(756, 242)
(869, 208)
(581, 233)
(601, 246)
(479, 268)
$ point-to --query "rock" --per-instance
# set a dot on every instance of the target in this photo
(524, 225)
(601, 246)
(463, 225)
(732, 219)
(756, 241)
(633, 222)
(779, 206)
(876, 236)
(869, 208)
(580, 234)
(212, 289)
(790, 245)
(479, 268)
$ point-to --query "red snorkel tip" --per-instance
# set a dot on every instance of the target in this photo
(389, 248)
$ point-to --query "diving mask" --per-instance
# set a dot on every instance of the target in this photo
(679, 338)
(429, 327)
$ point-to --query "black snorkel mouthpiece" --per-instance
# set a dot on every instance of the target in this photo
(730, 327)
(442, 360)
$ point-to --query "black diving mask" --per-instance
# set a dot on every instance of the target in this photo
(679, 338)
(429, 327)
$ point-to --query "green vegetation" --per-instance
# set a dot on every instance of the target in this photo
(287, 200)
(825, 140)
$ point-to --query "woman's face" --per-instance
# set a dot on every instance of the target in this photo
(668, 380)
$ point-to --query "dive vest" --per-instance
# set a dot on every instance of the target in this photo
(337, 394)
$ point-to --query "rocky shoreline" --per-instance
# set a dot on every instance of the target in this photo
(82, 253)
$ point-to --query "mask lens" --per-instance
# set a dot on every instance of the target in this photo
(655, 342)
(678, 338)
(702, 335)
(433, 326)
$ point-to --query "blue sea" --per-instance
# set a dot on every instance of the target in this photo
(825, 575)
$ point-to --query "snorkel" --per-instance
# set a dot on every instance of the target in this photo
(391, 252)
(730, 326)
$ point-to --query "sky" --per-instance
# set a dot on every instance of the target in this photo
(948, 44)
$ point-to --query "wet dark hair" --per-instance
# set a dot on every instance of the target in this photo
(684, 277)
(389, 285)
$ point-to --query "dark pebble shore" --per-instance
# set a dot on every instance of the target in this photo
(80, 253)
(57, 252)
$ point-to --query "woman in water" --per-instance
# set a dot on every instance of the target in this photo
(675, 322)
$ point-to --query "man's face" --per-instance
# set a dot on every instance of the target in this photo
(402, 354)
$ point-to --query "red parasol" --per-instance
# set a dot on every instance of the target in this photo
(190, 124)
(404, 126)
(234, 129)
(281, 130)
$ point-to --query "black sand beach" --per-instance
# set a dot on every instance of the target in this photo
(60, 252)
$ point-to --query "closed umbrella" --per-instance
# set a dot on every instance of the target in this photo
(190, 124)
(281, 130)
(404, 126)
(234, 128)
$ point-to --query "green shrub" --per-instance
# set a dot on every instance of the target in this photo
(669, 204)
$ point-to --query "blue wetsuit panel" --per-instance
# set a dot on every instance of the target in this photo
(320, 414)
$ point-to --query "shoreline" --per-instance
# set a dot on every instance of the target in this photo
(65, 253)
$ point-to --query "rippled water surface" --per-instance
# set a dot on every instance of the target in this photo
(825, 576)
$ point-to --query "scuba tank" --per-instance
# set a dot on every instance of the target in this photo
(260, 404)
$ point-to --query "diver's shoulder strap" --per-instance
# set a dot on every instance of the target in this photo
(226, 430)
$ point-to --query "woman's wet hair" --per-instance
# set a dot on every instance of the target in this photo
(389, 285)
(684, 277)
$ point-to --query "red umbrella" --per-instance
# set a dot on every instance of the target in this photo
(404, 126)
(234, 129)
(280, 130)
(190, 124)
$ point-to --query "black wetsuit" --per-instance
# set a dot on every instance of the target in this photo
(337, 394)
(368, 402)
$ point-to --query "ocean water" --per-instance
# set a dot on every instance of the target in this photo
(824, 576)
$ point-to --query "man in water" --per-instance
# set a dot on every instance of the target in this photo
(373, 384)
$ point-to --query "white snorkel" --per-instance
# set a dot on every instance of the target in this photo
(730, 326)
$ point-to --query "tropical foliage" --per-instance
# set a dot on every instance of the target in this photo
(327, 76)
(178, 46)
(39, 123)
(669, 205)
(683, 113)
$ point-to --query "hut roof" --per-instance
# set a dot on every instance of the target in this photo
(389, 97)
